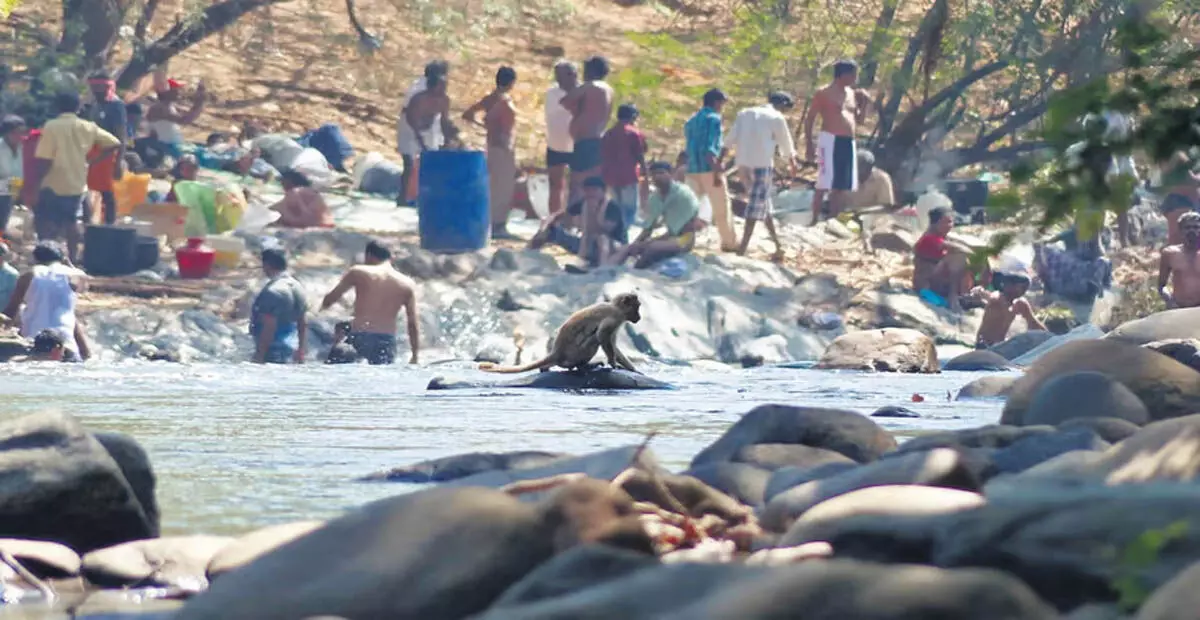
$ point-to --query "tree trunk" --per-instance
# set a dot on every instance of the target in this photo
(185, 34)
(90, 29)
(870, 61)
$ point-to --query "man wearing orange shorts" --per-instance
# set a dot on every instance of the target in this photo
(108, 111)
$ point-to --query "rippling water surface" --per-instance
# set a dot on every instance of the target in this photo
(240, 446)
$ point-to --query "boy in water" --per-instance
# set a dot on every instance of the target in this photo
(1002, 307)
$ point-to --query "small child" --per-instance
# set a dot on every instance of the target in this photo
(1002, 306)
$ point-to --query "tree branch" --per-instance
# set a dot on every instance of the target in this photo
(902, 79)
(143, 22)
(977, 155)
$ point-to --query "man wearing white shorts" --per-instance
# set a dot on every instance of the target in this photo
(841, 107)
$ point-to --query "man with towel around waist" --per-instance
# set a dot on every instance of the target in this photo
(841, 107)
(379, 293)
(499, 120)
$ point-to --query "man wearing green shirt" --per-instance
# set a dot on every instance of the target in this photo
(673, 205)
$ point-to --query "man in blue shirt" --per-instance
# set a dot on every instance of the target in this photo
(706, 174)
(277, 319)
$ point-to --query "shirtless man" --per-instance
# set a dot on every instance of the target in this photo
(1180, 265)
(424, 123)
(1002, 307)
(591, 107)
(841, 107)
(499, 118)
(380, 293)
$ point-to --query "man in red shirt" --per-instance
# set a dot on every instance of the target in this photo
(623, 156)
(936, 266)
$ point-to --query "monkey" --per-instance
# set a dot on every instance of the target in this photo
(583, 334)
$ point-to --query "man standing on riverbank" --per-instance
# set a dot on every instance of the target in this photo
(591, 108)
(559, 143)
(424, 123)
(379, 293)
(60, 171)
(499, 120)
(706, 172)
(108, 112)
(1180, 266)
(277, 318)
(841, 108)
(757, 134)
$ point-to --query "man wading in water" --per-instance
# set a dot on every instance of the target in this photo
(841, 108)
(591, 108)
(379, 293)
(499, 118)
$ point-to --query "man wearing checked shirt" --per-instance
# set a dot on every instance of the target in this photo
(705, 150)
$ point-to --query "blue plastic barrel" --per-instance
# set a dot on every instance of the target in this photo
(452, 201)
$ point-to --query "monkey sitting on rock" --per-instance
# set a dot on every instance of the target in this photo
(583, 334)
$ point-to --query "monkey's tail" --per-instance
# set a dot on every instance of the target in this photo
(490, 367)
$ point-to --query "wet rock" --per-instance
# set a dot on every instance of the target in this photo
(1067, 543)
(731, 326)
(458, 266)
(1112, 430)
(581, 568)
(44, 559)
(870, 592)
(986, 387)
(893, 500)
(1186, 351)
(597, 379)
(894, 411)
(463, 465)
(771, 349)
(974, 361)
(939, 467)
(179, 561)
(603, 465)
(1021, 344)
(417, 264)
(247, 548)
(787, 477)
(772, 456)
(1083, 394)
(1166, 325)
(884, 350)
(990, 436)
(1178, 599)
(503, 259)
(512, 302)
(58, 483)
(819, 288)
(496, 349)
(1167, 388)
(12, 347)
(376, 562)
(135, 466)
(745, 483)
(1036, 449)
(849, 433)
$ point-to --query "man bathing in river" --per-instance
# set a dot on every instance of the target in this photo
(380, 293)
(1179, 266)
(841, 108)
(591, 106)
(44, 298)
(48, 346)
(1002, 307)
(277, 318)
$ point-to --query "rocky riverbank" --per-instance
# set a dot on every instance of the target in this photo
(1079, 504)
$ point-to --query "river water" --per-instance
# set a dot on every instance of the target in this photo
(238, 446)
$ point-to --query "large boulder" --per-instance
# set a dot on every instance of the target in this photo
(1072, 544)
(1166, 325)
(990, 436)
(891, 500)
(851, 434)
(463, 465)
(884, 350)
(441, 553)
(58, 483)
(178, 561)
(745, 483)
(595, 379)
(581, 568)
(1186, 351)
(975, 361)
(788, 477)
(1167, 388)
(860, 591)
(135, 466)
(1179, 599)
(245, 549)
(941, 467)
(1037, 449)
(603, 465)
(772, 456)
(1021, 344)
(986, 387)
(1080, 395)
(1111, 430)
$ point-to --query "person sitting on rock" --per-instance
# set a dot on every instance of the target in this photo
(941, 271)
(302, 206)
(1003, 305)
(1179, 266)
(672, 205)
(600, 222)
